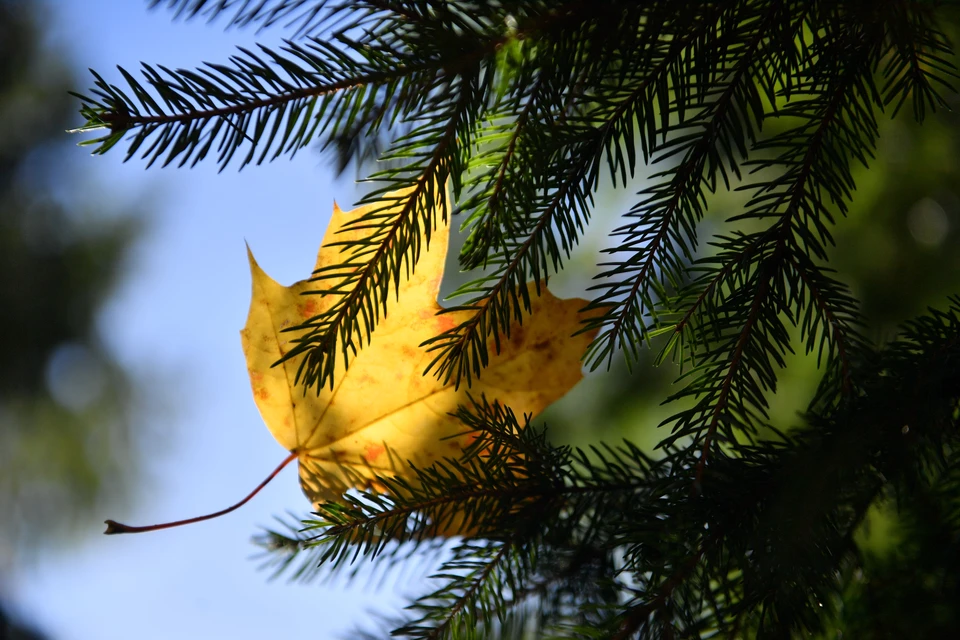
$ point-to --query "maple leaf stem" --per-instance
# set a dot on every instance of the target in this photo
(114, 527)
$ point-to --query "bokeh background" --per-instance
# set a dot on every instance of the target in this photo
(123, 390)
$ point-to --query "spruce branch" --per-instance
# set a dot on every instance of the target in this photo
(304, 17)
(917, 67)
(543, 116)
(664, 232)
(478, 580)
(636, 618)
(509, 472)
(484, 209)
(342, 87)
(461, 352)
(539, 237)
(397, 226)
(301, 14)
(733, 309)
(272, 107)
(831, 324)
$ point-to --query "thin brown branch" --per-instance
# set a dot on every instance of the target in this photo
(638, 614)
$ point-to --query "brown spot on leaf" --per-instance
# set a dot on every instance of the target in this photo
(307, 309)
(372, 452)
(445, 323)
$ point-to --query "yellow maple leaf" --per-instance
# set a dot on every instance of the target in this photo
(382, 413)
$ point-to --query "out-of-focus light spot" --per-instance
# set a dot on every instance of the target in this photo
(928, 222)
(75, 377)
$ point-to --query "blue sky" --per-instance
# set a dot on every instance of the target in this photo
(176, 319)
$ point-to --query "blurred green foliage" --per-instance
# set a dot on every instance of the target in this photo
(66, 405)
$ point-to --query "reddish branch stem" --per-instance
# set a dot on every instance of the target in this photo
(116, 527)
